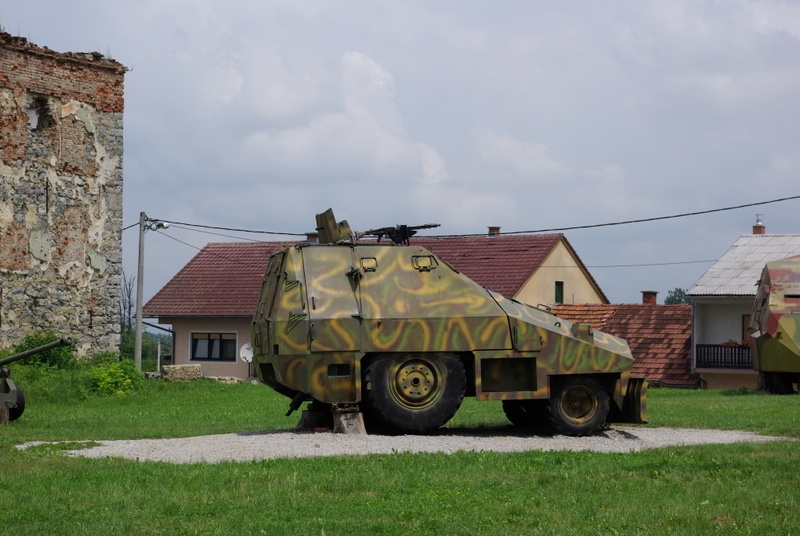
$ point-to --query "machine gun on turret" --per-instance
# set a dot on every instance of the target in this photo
(399, 234)
(12, 401)
(332, 232)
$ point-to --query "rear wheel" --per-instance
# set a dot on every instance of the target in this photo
(777, 383)
(578, 406)
(414, 393)
(16, 413)
(526, 413)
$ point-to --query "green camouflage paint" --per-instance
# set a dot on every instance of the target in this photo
(326, 309)
(775, 322)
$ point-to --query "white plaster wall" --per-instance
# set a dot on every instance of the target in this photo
(183, 328)
(717, 321)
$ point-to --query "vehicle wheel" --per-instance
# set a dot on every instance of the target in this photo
(578, 406)
(776, 383)
(414, 393)
(16, 413)
(526, 413)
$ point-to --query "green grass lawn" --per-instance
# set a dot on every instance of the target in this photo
(710, 489)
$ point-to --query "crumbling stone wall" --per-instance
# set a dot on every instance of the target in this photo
(60, 194)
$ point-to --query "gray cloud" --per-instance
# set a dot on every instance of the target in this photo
(524, 114)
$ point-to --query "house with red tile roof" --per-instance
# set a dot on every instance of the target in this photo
(210, 302)
(660, 337)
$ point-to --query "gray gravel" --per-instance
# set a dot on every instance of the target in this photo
(289, 444)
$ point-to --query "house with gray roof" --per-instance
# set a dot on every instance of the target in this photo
(723, 302)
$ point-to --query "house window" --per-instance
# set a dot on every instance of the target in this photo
(213, 347)
(745, 325)
(559, 292)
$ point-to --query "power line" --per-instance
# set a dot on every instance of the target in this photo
(215, 234)
(534, 231)
(231, 229)
(633, 265)
(645, 220)
(649, 264)
(229, 259)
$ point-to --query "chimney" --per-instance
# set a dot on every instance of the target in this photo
(759, 228)
(649, 297)
(312, 237)
(493, 231)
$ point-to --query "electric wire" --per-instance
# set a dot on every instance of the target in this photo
(646, 220)
(634, 265)
(198, 228)
(223, 257)
(534, 231)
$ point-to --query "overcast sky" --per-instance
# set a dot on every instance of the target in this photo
(524, 114)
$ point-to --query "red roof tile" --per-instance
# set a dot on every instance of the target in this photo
(502, 263)
(224, 279)
(659, 336)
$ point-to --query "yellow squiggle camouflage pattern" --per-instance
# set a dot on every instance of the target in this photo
(326, 308)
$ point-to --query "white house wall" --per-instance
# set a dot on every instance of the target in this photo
(718, 321)
(182, 334)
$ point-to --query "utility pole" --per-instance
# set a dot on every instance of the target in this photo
(145, 223)
(137, 352)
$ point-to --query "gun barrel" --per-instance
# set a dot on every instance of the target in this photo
(63, 341)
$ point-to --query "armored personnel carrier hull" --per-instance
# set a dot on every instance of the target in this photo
(395, 334)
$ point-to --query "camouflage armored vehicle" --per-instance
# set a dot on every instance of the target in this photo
(396, 334)
(775, 327)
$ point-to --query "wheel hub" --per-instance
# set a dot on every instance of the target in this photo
(578, 405)
(415, 383)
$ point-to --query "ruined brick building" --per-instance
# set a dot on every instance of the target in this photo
(60, 194)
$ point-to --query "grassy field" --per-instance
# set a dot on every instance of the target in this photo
(715, 489)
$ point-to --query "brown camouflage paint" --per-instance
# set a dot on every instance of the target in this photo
(325, 308)
(775, 322)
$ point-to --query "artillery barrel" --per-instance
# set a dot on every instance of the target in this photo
(63, 341)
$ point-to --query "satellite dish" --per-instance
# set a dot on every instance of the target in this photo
(246, 353)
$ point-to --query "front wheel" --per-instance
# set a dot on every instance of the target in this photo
(414, 393)
(578, 406)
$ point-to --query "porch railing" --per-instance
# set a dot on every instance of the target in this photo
(723, 357)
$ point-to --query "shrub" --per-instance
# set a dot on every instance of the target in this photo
(114, 378)
(62, 357)
(104, 374)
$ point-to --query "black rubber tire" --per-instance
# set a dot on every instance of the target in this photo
(777, 383)
(526, 413)
(16, 413)
(578, 406)
(414, 393)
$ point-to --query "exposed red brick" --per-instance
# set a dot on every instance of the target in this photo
(84, 77)
(71, 232)
(13, 247)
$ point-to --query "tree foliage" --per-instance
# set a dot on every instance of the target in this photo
(60, 357)
(676, 296)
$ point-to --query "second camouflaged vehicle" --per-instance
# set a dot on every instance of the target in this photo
(775, 327)
(396, 334)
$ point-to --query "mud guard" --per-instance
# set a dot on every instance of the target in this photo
(634, 406)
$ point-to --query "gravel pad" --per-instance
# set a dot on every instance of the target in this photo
(246, 446)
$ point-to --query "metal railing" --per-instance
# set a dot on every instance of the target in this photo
(723, 357)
